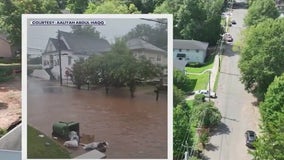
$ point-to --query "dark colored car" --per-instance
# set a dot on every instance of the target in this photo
(250, 138)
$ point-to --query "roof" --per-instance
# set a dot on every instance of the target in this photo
(136, 43)
(190, 44)
(81, 44)
(55, 41)
(85, 44)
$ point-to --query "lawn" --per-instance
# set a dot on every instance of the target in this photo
(208, 65)
(201, 81)
(43, 147)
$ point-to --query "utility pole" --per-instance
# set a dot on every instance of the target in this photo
(59, 54)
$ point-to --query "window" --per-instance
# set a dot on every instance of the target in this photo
(181, 55)
(69, 60)
(197, 50)
(179, 50)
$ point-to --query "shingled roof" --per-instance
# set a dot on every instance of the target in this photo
(189, 44)
(136, 44)
(81, 44)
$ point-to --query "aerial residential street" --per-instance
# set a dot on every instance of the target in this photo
(236, 105)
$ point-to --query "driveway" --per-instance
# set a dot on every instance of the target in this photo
(235, 104)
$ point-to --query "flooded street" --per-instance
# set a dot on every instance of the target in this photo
(134, 128)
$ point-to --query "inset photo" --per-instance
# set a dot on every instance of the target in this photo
(97, 86)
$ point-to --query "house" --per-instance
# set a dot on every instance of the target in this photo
(140, 48)
(5, 51)
(73, 48)
(188, 51)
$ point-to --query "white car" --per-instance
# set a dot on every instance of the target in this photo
(206, 93)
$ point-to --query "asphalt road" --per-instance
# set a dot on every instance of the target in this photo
(235, 104)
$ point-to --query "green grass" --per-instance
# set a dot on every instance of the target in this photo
(37, 147)
(208, 65)
(201, 81)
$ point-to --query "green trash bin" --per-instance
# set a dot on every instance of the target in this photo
(62, 129)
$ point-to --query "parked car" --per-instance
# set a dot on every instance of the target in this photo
(233, 22)
(228, 37)
(206, 93)
(250, 138)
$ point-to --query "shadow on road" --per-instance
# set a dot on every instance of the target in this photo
(211, 147)
(230, 119)
(221, 129)
(233, 74)
(229, 50)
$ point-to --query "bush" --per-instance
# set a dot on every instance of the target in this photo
(6, 74)
(194, 64)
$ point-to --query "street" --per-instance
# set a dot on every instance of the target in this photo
(235, 104)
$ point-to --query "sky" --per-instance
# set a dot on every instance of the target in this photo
(38, 35)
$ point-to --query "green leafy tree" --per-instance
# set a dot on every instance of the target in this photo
(261, 56)
(202, 20)
(261, 10)
(145, 6)
(178, 96)
(181, 81)
(182, 130)
(87, 30)
(79, 73)
(171, 7)
(10, 16)
(206, 115)
(77, 6)
(154, 35)
(111, 7)
(270, 144)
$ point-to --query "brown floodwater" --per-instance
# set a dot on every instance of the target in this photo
(134, 127)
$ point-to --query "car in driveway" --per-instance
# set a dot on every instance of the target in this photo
(206, 93)
(250, 138)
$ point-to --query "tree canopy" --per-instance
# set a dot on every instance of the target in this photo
(86, 30)
(10, 16)
(111, 7)
(260, 10)
(270, 144)
(262, 56)
(155, 35)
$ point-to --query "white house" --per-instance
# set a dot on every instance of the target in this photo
(73, 47)
(186, 51)
(141, 48)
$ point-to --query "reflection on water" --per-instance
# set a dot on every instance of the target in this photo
(135, 128)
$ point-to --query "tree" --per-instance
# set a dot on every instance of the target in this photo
(154, 35)
(270, 144)
(111, 7)
(206, 115)
(79, 73)
(261, 56)
(87, 30)
(171, 7)
(182, 130)
(202, 20)
(146, 6)
(261, 10)
(181, 81)
(178, 96)
(10, 16)
(77, 6)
